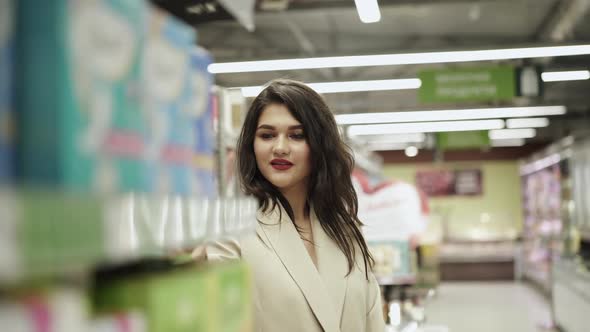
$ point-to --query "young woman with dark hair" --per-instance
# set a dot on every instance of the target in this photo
(311, 265)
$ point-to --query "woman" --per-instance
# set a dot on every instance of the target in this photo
(311, 265)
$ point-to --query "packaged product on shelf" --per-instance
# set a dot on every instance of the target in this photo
(205, 143)
(234, 302)
(168, 103)
(132, 321)
(6, 91)
(392, 258)
(80, 121)
(41, 234)
(57, 310)
(177, 301)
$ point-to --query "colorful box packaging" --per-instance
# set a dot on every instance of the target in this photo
(205, 141)
(234, 303)
(132, 321)
(6, 91)
(178, 301)
(81, 125)
(55, 310)
(168, 97)
(44, 233)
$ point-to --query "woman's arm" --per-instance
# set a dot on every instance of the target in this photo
(226, 249)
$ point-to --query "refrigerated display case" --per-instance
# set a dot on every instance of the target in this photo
(544, 179)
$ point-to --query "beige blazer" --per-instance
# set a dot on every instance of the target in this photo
(290, 294)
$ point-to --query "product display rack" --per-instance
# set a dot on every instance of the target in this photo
(571, 274)
(544, 178)
(103, 219)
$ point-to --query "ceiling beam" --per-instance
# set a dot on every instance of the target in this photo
(562, 19)
(346, 4)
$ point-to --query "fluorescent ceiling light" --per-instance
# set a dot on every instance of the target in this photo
(349, 86)
(398, 59)
(394, 138)
(512, 133)
(508, 142)
(368, 10)
(449, 115)
(527, 123)
(573, 75)
(424, 127)
(386, 146)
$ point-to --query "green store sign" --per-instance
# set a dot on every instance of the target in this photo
(468, 84)
(462, 140)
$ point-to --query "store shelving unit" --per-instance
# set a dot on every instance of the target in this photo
(544, 177)
(100, 216)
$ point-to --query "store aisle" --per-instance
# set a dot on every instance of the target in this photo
(489, 307)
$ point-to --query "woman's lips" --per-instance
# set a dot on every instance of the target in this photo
(281, 164)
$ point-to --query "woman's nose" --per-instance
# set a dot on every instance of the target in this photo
(281, 146)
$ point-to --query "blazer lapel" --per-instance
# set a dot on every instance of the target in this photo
(285, 241)
(332, 264)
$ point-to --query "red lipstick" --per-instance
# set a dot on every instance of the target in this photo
(281, 164)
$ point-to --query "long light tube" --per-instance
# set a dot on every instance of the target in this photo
(399, 59)
(348, 86)
(512, 133)
(368, 10)
(527, 123)
(508, 142)
(424, 127)
(572, 75)
(449, 115)
(395, 138)
(386, 146)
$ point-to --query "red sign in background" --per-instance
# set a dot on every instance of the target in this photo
(450, 182)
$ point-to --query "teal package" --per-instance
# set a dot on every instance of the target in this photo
(7, 148)
(81, 124)
(202, 81)
(205, 143)
(167, 101)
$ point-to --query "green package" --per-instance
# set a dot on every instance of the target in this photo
(178, 301)
(234, 302)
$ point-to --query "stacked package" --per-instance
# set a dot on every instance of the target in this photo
(213, 299)
(61, 309)
(6, 88)
(80, 117)
(112, 98)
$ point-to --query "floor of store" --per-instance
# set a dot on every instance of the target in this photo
(489, 307)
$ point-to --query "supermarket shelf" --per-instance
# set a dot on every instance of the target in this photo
(478, 252)
(477, 259)
(46, 233)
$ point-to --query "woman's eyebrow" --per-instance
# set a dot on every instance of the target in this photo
(265, 126)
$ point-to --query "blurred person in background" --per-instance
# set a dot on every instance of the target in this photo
(311, 265)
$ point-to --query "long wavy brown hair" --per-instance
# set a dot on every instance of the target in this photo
(330, 189)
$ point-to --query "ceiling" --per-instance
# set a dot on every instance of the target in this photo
(310, 28)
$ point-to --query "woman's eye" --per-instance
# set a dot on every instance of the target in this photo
(298, 136)
(266, 136)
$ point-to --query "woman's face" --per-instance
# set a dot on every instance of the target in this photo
(281, 150)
